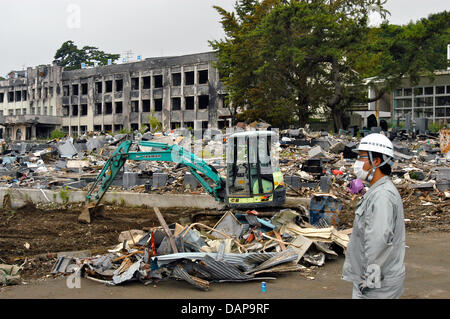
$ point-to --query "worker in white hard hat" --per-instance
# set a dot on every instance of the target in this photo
(375, 253)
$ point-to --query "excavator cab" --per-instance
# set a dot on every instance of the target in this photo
(254, 178)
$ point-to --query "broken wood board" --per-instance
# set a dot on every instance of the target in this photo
(304, 243)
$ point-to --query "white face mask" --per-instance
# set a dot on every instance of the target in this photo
(359, 171)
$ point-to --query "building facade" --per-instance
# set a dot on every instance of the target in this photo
(182, 91)
(430, 99)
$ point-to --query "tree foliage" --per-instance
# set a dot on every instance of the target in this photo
(283, 61)
(70, 57)
(411, 51)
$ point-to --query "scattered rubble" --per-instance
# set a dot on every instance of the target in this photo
(239, 246)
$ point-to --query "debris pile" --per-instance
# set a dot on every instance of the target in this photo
(240, 247)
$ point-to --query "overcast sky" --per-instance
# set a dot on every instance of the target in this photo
(32, 30)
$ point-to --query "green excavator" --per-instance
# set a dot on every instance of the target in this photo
(253, 178)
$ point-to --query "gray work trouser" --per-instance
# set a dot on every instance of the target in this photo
(385, 292)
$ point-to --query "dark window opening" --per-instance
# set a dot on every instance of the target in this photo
(145, 105)
(203, 102)
(158, 105)
(99, 87)
(10, 96)
(440, 89)
(418, 91)
(176, 79)
(74, 110)
(65, 90)
(84, 109)
(18, 96)
(75, 89)
(2, 97)
(135, 106)
(97, 128)
(189, 102)
(118, 127)
(98, 108)
(135, 83)
(119, 107)
(158, 81)
(84, 88)
(24, 95)
(429, 90)
(203, 77)
(108, 128)
(224, 101)
(189, 125)
(146, 82)
(175, 125)
(108, 86)
(119, 85)
(50, 90)
(65, 110)
(134, 126)
(221, 124)
(176, 103)
(204, 124)
(108, 108)
(189, 78)
(45, 92)
(65, 129)
(74, 129)
(83, 129)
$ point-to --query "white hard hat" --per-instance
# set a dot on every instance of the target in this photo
(376, 142)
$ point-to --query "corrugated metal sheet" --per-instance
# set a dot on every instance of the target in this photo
(180, 272)
(221, 270)
(280, 258)
(245, 262)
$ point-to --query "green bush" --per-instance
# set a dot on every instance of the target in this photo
(57, 134)
(143, 129)
(154, 123)
(125, 131)
(435, 127)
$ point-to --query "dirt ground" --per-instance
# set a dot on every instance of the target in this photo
(427, 276)
(48, 231)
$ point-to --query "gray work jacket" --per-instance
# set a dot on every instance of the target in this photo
(378, 237)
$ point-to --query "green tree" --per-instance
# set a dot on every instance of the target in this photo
(283, 61)
(70, 57)
(413, 50)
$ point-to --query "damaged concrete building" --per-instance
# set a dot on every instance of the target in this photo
(29, 103)
(181, 91)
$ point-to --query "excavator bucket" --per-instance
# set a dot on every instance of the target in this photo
(90, 210)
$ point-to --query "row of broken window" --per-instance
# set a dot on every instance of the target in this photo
(22, 95)
(107, 107)
(33, 111)
(137, 83)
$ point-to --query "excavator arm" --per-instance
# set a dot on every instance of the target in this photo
(168, 153)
